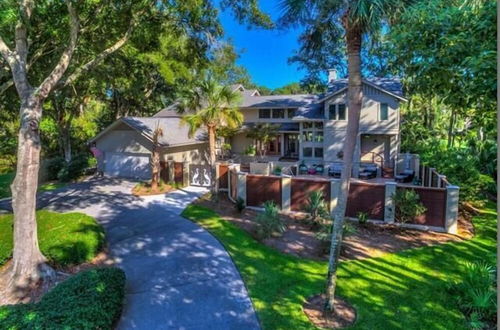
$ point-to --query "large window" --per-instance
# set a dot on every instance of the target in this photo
(384, 111)
(318, 152)
(278, 113)
(307, 152)
(337, 111)
(264, 113)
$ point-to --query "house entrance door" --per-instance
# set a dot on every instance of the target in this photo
(292, 145)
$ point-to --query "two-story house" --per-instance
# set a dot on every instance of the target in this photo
(312, 129)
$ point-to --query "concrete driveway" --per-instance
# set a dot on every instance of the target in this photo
(178, 275)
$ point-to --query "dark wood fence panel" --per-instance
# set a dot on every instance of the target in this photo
(263, 188)
(233, 178)
(301, 188)
(434, 199)
(367, 198)
(178, 172)
(164, 171)
(223, 176)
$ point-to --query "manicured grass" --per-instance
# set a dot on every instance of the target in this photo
(7, 178)
(89, 300)
(405, 290)
(64, 238)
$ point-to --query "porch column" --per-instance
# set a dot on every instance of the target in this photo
(429, 178)
(357, 157)
(389, 207)
(282, 144)
(451, 224)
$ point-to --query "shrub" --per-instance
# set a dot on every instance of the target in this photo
(75, 169)
(250, 150)
(54, 166)
(324, 234)
(269, 221)
(407, 204)
(64, 238)
(92, 299)
(240, 204)
(475, 295)
(316, 207)
(362, 218)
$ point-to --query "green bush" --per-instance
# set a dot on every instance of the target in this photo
(324, 234)
(64, 238)
(240, 204)
(317, 208)
(269, 221)
(476, 295)
(54, 166)
(250, 150)
(75, 169)
(92, 299)
(408, 205)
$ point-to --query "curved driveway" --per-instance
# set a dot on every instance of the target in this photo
(178, 275)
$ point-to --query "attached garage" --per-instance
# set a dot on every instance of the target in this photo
(127, 145)
(127, 165)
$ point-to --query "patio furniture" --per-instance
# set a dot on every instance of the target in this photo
(311, 170)
(405, 177)
(302, 168)
(368, 171)
(335, 170)
(319, 169)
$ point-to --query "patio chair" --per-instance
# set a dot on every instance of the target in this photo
(405, 177)
(368, 171)
(335, 170)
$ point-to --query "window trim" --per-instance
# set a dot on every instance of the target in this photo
(264, 109)
(336, 111)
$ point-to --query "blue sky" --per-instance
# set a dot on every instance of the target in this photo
(265, 53)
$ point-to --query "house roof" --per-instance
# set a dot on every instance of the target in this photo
(391, 85)
(175, 133)
(281, 101)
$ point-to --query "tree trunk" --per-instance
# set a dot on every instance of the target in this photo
(450, 129)
(28, 264)
(156, 167)
(212, 157)
(355, 95)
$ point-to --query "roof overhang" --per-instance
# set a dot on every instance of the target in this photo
(328, 96)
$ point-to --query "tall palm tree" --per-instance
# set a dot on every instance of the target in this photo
(212, 106)
(350, 20)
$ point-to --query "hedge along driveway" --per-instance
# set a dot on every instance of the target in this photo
(64, 238)
(405, 290)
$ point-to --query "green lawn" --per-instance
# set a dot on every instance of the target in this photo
(405, 290)
(7, 178)
(64, 238)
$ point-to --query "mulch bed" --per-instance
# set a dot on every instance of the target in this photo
(344, 314)
(368, 241)
(145, 190)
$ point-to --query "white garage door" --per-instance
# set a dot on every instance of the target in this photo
(127, 165)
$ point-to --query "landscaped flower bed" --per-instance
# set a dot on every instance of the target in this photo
(145, 189)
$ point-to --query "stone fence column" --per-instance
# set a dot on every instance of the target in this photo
(334, 194)
(451, 217)
(286, 193)
(242, 186)
(389, 207)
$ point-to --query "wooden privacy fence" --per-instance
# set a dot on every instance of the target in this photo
(374, 199)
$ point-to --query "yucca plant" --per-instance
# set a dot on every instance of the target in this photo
(269, 221)
(317, 208)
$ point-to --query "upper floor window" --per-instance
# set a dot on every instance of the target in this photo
(337, 111)
(384, 111)
(291, 112)
(264, 113)
(278, 113)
